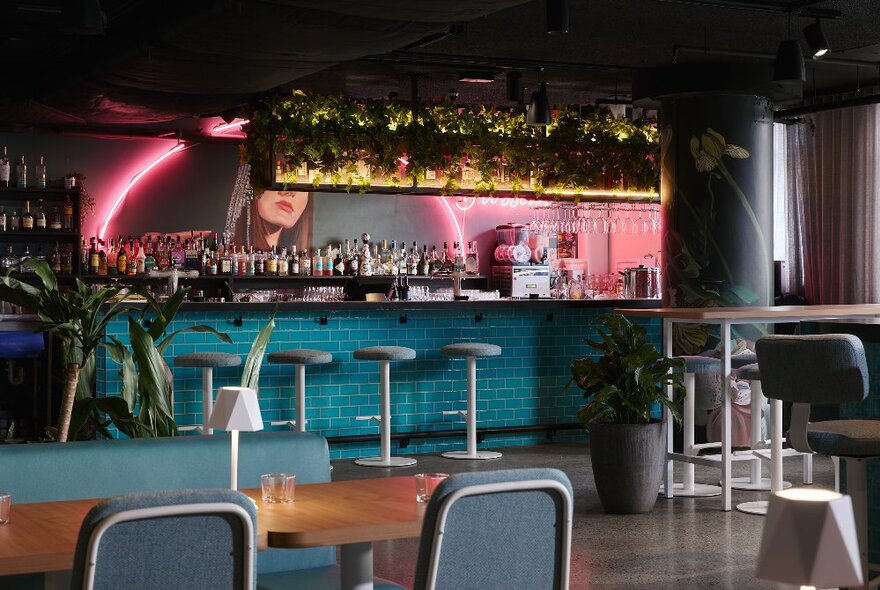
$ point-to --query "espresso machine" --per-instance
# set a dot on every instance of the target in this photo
(520, 269)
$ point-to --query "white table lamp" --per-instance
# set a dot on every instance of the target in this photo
(810, 540)
(236, 409)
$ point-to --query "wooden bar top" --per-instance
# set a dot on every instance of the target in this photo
(741, 313)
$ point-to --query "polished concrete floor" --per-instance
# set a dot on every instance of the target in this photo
(683, 543)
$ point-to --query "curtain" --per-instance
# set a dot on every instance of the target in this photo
(832, 209)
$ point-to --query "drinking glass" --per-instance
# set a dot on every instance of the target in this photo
(278, 487)
(5, 507)
(426, 483)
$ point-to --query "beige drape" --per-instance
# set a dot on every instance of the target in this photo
(833, 206)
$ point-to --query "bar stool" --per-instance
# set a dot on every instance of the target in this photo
(384, 354)
(299, 357)
(470, 351)
(207, 362)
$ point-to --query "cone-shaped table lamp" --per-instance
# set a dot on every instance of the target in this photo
(236, 409)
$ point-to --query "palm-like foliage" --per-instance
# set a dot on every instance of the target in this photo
(630, 377)
(77, 317)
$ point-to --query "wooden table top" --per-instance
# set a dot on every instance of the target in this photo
(41, 537)
(337, 513)
(770, 312)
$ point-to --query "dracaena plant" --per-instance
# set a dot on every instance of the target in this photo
(629, 378)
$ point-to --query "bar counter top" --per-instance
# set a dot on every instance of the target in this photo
(525, 304)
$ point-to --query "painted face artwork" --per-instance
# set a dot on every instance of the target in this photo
(282, 208)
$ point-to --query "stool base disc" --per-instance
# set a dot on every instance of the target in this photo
(745, 483)
(380, 462)
(701, 490)
(758, 507)
(467, 455)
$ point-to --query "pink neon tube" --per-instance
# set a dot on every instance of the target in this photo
(137, 177)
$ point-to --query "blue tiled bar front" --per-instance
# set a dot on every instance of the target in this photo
(523, 387)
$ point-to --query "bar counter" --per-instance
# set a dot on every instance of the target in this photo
(521, 396)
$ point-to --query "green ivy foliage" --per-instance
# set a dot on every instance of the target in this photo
(334, 133)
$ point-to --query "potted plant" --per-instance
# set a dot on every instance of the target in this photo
(622, 388)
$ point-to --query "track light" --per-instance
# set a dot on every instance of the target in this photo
(538, 114)
(514, 86)
(557, 16)
(816, 40)
(789, 67)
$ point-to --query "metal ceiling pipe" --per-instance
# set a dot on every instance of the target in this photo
(679, 49)
(455, 61)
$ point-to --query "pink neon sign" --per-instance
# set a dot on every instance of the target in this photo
(135, 179)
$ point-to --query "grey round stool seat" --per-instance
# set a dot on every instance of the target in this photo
(384, 354)
(470, 351)
(696, 364)
(207, 361)
(300, 357)
(466, 349)
(749, 372)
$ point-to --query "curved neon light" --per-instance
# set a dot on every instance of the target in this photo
(224, 127)
(453, 218)
(135, 179)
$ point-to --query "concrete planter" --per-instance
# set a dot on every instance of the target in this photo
(627, 464)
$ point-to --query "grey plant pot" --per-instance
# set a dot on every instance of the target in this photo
(627, 464)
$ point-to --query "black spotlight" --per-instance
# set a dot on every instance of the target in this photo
(538, 114)
(789, 67)
(557, 16)
(816, 40)
(514, 86)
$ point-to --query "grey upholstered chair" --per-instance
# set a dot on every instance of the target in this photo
(497, 530)
(825, 369)
(194, 539)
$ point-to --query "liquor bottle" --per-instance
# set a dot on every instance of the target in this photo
(67, 260)
(121, 260)
(21, 174)
(458, 264)
(25, 256)
(41, 216)
(447, 259)
(305, 263)
(2, 219)
(192, 254)
(162, 255)
(83, 256)
(27, 219)
(365, 259)
(225, 267)
(150, 260)
(10, 261)
(4, 169)
(294, 261)
(328, 261)
(272, 263)
(133, 251)
(40, 170)
(55, 260)
(283, 263)
(424, 265)
(434, 261)
(412, 265)
(67, 218)
(14, 221)
(401, 258)
(211, 263)
(93, 256)
(391, 259)
(140, 260)
(354, 261)
(317, 264)
(55, 220)
(112, 258)
(338, 263)
(179, 255)
(243, 262)
(471, 262)
(102, 259)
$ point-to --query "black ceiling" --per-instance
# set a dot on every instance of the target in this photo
(162, 64)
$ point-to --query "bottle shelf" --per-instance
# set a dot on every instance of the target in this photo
(37, 235)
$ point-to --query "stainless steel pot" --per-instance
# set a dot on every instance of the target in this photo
(641, 282)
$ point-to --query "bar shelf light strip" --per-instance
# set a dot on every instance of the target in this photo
(135, 179)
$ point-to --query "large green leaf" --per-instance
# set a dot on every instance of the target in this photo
(250, 377)
(163, 346)
(42, 270)
(121, 355)
(152, 381)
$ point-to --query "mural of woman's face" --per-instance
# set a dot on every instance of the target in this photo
(282, 208)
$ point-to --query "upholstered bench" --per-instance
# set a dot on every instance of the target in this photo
(96, 469)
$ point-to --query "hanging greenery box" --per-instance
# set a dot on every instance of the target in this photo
(359, 144)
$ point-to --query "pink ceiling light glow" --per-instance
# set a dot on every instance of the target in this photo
(224, 127)
(135, 179)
